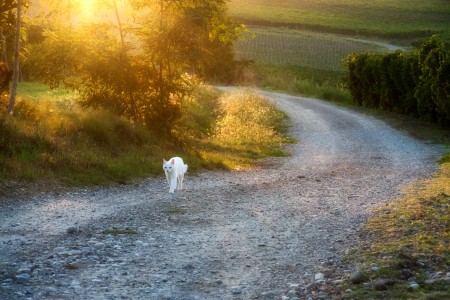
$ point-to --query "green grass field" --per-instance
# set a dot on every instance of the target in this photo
(283, 47)
(381, 18)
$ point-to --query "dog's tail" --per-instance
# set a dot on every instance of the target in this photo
(185, 168)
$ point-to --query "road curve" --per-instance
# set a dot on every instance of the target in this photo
(228, 235)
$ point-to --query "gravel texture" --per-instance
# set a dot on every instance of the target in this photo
(276, 232)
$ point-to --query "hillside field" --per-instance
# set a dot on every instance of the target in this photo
(315, 36)
(382, 18)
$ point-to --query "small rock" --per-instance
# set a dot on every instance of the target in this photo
(23, 278)
(375, 268)
(72, 230)
(310, 286)
(99, 245)
(319, 277)
(291, 294)
(269, 295)
(414, 286)
(71, 266)
(380, 285)
(236, 290)
(407, 273)
(358, 277)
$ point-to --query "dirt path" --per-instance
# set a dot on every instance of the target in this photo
(241, 235)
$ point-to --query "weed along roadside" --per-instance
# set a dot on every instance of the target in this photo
(404, 247)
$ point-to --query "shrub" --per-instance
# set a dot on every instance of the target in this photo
(246, 118)
(415, 83)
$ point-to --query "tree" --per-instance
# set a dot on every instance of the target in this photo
(6, 24)
(15, 78)
(138, 70)
(10, 26)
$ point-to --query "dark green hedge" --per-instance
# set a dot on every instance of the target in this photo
(415, 83)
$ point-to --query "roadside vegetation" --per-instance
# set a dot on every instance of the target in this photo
(414, 83)
(52, 137)
(405, 252)
(103, 99)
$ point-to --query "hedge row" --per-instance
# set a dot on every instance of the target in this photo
(415, 83)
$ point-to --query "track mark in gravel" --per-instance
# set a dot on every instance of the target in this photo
(238, 235)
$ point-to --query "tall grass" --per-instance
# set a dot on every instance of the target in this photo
(248, 120)
(248, 127)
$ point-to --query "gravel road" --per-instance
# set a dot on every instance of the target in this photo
(276, 232)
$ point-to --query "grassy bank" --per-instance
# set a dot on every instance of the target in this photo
(410, 235)
(408, 238)
(51, 138)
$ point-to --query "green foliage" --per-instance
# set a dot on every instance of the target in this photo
(8, 14)
(58, 59)
(142, 75)
(415, 83)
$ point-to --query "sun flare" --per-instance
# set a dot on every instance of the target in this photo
(86, 8)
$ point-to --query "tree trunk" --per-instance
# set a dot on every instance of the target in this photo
(12, 99)
(119, 23)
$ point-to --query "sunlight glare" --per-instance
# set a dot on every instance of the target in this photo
(86, 8)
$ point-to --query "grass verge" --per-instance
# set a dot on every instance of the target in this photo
(408, 239)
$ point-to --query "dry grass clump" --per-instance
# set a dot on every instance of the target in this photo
(247, 119)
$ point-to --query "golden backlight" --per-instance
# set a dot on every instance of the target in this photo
(86, 8)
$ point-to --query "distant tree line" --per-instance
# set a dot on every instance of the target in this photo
(415, 83)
